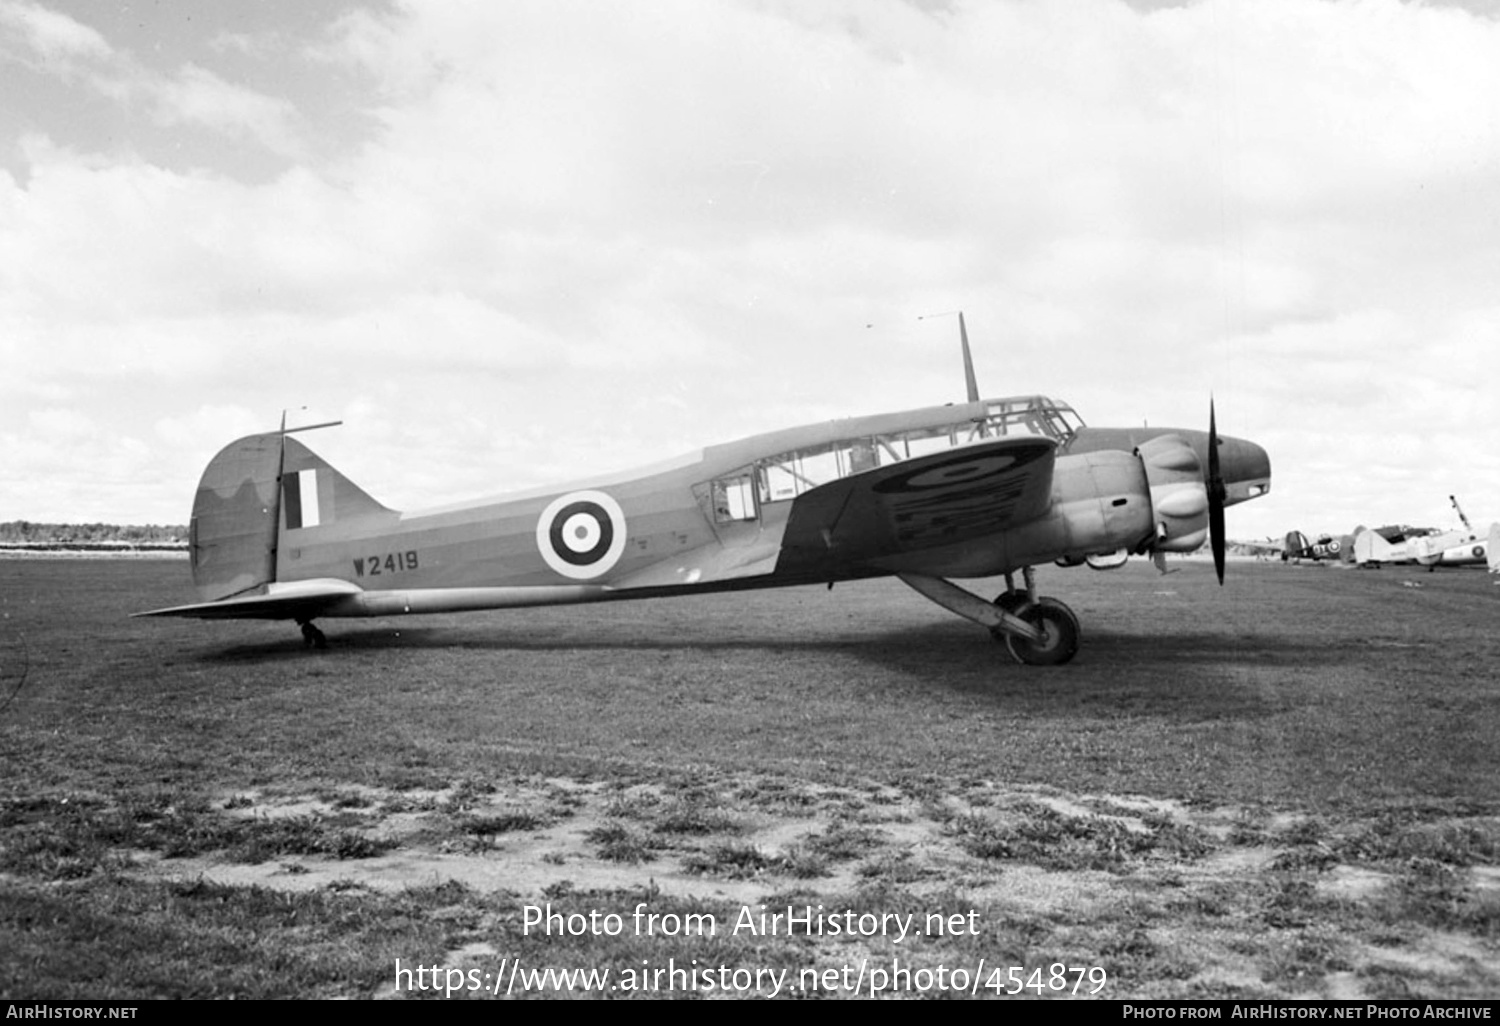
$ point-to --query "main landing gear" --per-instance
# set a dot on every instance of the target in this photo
(1038, 631)
(311, 636)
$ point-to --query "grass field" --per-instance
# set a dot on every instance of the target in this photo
(1288, 787)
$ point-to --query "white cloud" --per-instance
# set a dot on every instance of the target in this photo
(580, 208)
(49, 35)
(197, 96)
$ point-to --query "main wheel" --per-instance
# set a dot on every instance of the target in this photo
(1063, 608)
(1059, 641)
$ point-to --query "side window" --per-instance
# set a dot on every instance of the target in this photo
(734, 499)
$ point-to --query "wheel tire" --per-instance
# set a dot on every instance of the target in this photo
(1062, 607)
(1060, 642)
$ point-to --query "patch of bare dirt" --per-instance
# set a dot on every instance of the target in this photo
(1107, 859)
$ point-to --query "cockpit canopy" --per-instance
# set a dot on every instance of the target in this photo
(786, 475)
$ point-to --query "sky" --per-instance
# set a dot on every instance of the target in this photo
(523, 243)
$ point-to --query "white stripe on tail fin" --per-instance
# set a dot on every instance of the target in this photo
(301, 499)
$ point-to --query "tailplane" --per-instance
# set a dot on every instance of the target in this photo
(240, 515)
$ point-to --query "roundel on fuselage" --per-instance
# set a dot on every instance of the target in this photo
(581, 534)
(1479, 552)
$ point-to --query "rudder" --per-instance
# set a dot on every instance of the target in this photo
(239, 518)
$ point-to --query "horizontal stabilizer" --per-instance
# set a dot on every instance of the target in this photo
(295, 600)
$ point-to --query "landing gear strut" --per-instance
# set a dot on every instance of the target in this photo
(1012, 600)
(1037, 631)
(311, 636)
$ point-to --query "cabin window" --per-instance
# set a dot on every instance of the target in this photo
(734, 498)
(790, 474)
(929, 441)
(740, 496)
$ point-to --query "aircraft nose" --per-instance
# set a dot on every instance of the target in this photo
(1246, 469)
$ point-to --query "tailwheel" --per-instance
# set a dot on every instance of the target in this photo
(1060, 633)
(312, 637)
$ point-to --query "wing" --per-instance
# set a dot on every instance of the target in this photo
(296, 600)
(947, 498)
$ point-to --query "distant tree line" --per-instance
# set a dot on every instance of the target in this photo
(24, 532)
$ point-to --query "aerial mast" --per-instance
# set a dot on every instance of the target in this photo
(970, 381)
(1461, 516)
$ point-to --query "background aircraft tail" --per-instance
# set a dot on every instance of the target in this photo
(240, 516)
(1296, 546)
(1371, 547)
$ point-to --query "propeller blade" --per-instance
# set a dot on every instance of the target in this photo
(1216, 495)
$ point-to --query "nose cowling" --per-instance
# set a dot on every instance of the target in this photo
(1246, 470)
(1179, 498)
(1244, 466)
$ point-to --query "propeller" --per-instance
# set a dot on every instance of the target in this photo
(1216, 495)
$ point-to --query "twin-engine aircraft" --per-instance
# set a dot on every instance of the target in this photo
(970, 490)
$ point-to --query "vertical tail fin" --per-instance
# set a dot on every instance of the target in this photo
(240, 517)
(1296, 545)
(1371, 547)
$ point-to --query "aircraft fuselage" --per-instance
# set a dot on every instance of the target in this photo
(969, 490)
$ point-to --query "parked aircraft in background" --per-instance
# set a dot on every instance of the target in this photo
(968, 490)
(1260, 550)
(1452, 548)
(1374, 549)
(1328, 548)
(1428, 548)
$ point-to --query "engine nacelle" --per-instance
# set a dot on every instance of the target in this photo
(1179, 500)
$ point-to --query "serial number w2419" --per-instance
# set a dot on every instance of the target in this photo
(387, 563)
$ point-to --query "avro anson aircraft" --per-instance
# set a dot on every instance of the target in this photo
(969, 490)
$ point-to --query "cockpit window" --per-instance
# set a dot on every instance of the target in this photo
(790, 474)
